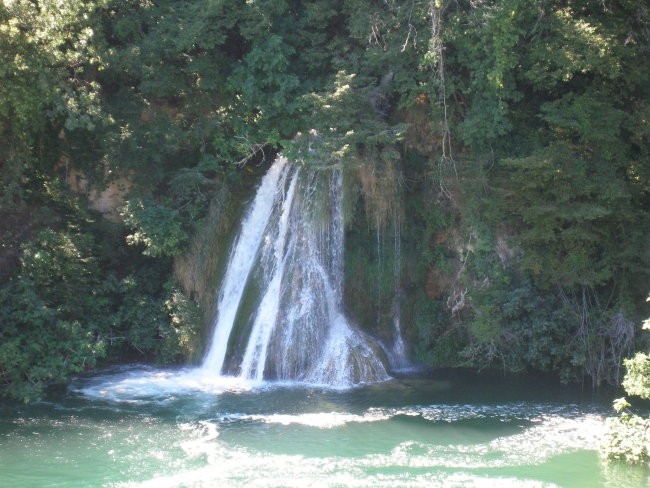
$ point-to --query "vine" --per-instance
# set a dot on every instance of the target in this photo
(436, 50)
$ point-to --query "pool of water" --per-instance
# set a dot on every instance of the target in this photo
(140, 427)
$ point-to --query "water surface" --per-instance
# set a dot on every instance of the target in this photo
(139, 427)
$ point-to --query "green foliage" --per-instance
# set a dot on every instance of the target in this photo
(547, 90)
(268, 90)
(427, 270)
(517, 329)
(80, 298)
(586, 120)
(52, 315)
(155, 227)
(569, 212)
(437, 341)
(64, 314)
(628, 436)
(485, 56)
(637, 378)
(182, 334)
(345, 128)
(45, 50)
(153, 318)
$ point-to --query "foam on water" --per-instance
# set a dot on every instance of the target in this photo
(531, 413)
(320, 420)
(408, 464)
(291, 244)
(195, 427)
(142, 385)
(291, 437)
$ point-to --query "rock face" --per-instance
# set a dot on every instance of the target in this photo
(106, 201)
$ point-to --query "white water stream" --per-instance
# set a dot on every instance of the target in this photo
(290, 253)
(241, 262)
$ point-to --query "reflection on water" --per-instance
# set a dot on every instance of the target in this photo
(149, 428)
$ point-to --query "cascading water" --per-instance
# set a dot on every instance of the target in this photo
(241, 263)
(290, 251)
(398, 356)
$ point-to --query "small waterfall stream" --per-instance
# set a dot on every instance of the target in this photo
(398, 356)
(290, 251)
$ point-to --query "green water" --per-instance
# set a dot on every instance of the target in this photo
(141, 429)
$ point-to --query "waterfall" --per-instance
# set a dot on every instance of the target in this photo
(288, 257)
(241, 263)
(398, 358)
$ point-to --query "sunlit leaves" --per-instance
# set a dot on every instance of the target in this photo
(628, 436)
(155, 227)
(637, 379)
(568, 45)
(49, 57)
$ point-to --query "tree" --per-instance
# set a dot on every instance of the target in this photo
(628, 435)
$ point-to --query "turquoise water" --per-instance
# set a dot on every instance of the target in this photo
(141, 427)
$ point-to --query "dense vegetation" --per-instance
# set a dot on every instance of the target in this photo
(628, 436)
(503, 144)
